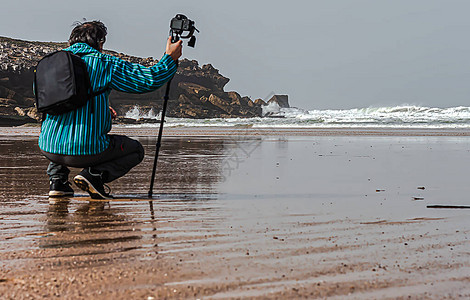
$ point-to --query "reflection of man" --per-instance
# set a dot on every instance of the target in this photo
(80, 138)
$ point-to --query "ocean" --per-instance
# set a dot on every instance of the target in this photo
(403, 116)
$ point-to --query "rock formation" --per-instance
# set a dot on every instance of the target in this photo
(196, 92)
(281, 100)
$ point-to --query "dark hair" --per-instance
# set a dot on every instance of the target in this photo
(92, 33)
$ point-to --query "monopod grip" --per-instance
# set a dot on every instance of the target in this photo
(175, 38)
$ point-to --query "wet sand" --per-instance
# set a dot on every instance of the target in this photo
(247, 213)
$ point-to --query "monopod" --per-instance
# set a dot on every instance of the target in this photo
(159, 139)
(178, 25)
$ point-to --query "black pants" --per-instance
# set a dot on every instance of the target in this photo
(121, 156)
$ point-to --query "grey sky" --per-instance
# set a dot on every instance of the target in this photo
(324, 54)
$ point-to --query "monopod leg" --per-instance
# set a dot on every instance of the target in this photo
(159, 139)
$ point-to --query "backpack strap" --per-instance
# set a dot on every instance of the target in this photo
(92, 94)
(99, 92)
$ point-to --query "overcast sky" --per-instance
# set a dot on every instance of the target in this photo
(323, 54)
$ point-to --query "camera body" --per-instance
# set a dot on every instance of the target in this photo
(179, 25)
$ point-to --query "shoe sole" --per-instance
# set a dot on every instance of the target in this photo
(58, 194)
(86, 186)
(57, 200)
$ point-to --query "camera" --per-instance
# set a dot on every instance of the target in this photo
(179, 25)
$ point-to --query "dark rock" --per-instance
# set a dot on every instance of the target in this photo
(12, 120)
(124, 120)
(221, 103)
(259, 102)
(183, 99)
(281, 100)
(194, 89)
(248, 101)
(273, 115)
(30, 112)
(239, 100)
(9, 94)
(235, 97)
(13, 115)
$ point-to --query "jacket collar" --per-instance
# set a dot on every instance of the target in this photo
(81, 48)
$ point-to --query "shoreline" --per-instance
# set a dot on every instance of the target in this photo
(250, 131)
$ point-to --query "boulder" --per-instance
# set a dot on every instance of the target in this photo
(246, 101)
(190, 88)
(33, 113)
(12, 115)
(235, 97)
(281, 100)
(259, 102)
(188, 100)
(239, 100)
(9, 94)
(207, 75)
(221, 103)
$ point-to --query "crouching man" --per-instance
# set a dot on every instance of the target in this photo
(80, 138)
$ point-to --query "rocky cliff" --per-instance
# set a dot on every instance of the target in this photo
(197, 91)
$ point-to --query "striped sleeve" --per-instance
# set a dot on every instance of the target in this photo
(134, 78)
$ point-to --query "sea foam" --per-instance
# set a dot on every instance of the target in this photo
(403, 116)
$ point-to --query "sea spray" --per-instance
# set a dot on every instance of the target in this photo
(271, 108)
(136, 113)
(403, 116)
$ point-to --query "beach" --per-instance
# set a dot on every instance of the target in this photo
(242, 212)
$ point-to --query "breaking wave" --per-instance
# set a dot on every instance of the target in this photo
(404, 116)
(136, 113)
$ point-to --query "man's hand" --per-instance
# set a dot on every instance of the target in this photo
(113, 113)
(174, 49)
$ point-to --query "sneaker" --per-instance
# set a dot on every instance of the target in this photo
(92, 184)
(59, 188)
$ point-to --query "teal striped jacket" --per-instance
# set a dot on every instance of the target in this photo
(81, 132)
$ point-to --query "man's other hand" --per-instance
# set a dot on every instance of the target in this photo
(113, 113)
(174, 49)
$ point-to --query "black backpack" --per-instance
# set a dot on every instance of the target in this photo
(62, 84)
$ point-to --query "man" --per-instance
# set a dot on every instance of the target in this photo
(80, 138)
